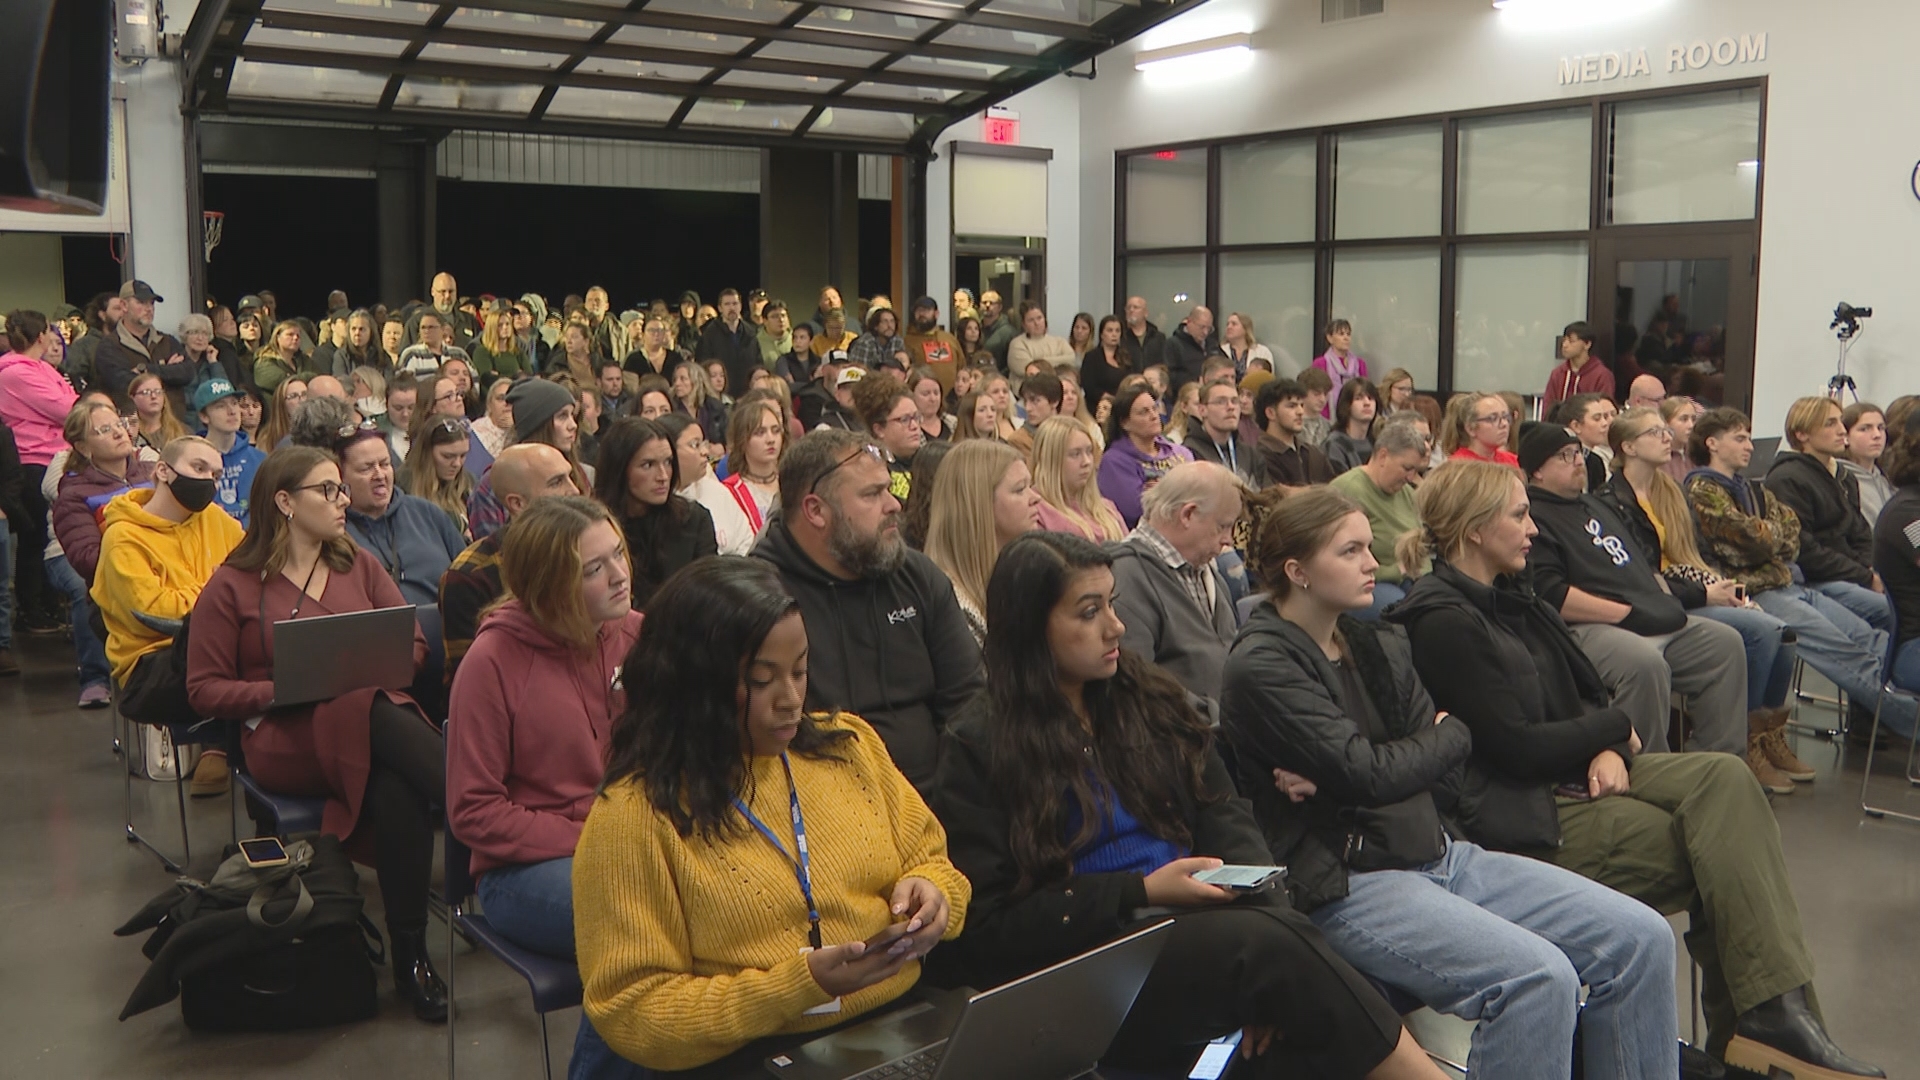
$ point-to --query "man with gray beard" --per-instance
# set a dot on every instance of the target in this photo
(886, 638)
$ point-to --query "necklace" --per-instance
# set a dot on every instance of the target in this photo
(763, 481)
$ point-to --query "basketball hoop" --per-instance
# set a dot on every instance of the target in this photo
(212, 222)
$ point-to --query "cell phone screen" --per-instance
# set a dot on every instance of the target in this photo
(1237, 877)
(1215, 1058)
(263, 850)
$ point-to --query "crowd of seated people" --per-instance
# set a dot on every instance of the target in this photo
(706, 581)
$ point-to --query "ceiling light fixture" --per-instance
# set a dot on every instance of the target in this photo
(1224, 45)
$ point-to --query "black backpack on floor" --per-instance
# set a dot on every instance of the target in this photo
(263, 951)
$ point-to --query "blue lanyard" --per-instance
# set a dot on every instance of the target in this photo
(802, 866)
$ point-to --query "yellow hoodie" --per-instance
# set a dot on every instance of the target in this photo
(151, 565)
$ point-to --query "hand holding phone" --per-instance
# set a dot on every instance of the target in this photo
(1174, 885)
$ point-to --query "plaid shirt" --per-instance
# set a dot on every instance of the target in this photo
(468, 586)
(1197, 579)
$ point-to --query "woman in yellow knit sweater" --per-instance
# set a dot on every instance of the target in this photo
(750, 870)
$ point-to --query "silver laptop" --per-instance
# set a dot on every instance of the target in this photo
(319, 659)
(1051, 1025)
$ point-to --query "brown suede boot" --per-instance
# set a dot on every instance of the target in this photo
(1770, 778)
(1773, 742)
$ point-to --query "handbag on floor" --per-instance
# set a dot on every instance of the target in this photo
(263, 948)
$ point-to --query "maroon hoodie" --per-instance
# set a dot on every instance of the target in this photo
(526, 746)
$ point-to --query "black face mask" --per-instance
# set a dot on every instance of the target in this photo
(193, 492)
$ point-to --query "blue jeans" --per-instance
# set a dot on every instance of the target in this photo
(1508, 941)
(1875, 608)
(6, 586)
(1769, 660)
(532, 906)
(1385, 595)
(1842, 646)
(88, 651)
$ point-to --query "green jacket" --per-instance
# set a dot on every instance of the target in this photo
(1758, 549)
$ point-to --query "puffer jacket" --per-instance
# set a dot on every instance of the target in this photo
(1745, 533)
(1284, 706)
(76, 513)
(1836, 543)
(1500, 658)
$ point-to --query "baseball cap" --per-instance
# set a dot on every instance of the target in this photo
(211, 391)
(250, 302)
(926, 302)
(835, 356)
(141, 291)
(849, 377)
(1540, 442)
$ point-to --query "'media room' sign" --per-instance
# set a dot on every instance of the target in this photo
(1680, 57)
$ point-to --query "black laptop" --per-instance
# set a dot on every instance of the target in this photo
(1051, 1025)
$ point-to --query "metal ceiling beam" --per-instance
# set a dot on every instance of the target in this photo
(441, 121)
(422, 35)
(577, 57)
(745, 52)
(212, 40)
(389, 30)
(1025, 24)
(839, 92)
(748, 28)
(497, 74)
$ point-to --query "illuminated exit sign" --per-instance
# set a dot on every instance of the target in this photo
(1000, 126)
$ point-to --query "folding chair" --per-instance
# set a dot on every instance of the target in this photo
(1838, 701)
(553, 980)
(179, 734)
(1866, 774)
(280, 815)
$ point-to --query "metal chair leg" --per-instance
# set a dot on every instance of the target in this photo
(133, 835)
(1693, 985)
(546, 1051)
(1839, 702)
(451, 1011)
(1866, 774)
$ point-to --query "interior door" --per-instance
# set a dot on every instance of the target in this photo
(1015, 274)
(1681, 300)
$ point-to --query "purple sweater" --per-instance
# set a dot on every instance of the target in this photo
(1125, 472)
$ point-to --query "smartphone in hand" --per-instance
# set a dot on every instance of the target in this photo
(1243, 878)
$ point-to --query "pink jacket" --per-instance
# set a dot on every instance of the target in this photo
(529, 724)
(34, 401)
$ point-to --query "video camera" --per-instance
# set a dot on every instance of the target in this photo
(1846, 319)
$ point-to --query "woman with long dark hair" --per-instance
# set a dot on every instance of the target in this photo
(751, 871)
(1104, 366)
(639, 480)
(1081, 787)
(1500, 939)
(370, 752)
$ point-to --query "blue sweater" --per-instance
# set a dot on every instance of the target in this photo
(1122, 845)
(416, 542)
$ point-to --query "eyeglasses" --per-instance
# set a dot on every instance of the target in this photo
(1497, 419)
(865, 448)
(904, 420)
(1571, 455)
(1664, 434)
(451, 395)
(151, 391)
(329, 490)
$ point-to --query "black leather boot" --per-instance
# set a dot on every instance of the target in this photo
(414, 977)
(1784, 1034)
(1699, 1065)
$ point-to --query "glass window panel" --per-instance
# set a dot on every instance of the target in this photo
(1527, 173)
(1267, 191)
(862, 123)
(897, 92)
(859, 22)
(333, 43)
(766, 11)
(1686, 159)
(419, 92)
(1083, 12)
(939, 65)
(686, 39)
(1275, 290)
(1170, 284)
(720, 112)
(528, 26)
(406, 11)
(773, 80)
(998, 39)
(1387, 183)
(471, 54)
(1167, 199)
(1392, 297)
(256, 80)
(1513, 299)
(612, 104)
(641, 69)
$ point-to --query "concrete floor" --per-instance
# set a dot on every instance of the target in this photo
(71, 878)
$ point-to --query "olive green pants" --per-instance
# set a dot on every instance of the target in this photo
(1694, 833)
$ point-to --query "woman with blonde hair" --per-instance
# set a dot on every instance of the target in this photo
(1238, 342)
(1080, 338)
(1185, 404)
(279, 357)
(157, 423)
(437, 467)
(1396, 391)
(1476, 428)
(691, 399)
(1688, 832)
(1655, 510)
(1066, 466)
(287, 397)
(369, 388)
(496, 352)
(1679, 413)
(983, 499)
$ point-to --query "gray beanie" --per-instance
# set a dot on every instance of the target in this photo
(536, 401)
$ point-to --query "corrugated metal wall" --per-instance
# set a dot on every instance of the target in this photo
(545, 159)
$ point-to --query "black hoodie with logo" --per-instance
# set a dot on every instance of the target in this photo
(1584, 544)
(893, 650)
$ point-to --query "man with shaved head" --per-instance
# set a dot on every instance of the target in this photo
(522, 474)
(459, 325)
(1189, 347)
(1139, 339)
(1646, 392)
(327, 386)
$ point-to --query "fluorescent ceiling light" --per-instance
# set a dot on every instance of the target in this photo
(1226, 44)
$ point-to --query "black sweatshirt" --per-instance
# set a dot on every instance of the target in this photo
(1584, 544)
(1836, 544)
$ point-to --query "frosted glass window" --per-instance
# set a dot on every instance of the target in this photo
(1167, 199)
(1525, 173)
(1686, 159)
(1275, 290)
(996, 196)
(1387, 183)
(1170, 284)
(1392, 297)
(1513, 300)
(1266, 192)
